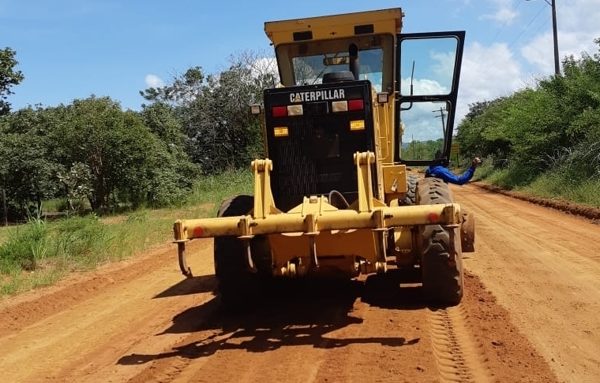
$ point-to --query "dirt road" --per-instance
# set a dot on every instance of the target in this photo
(529, 315)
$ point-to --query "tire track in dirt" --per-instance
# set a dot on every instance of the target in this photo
(351, 334)
(544, 267)
(456, 356)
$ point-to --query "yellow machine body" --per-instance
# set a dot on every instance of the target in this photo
(315, 236)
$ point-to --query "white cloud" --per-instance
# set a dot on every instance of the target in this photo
(504, 13)
(423, 86)
(443, 67)
(487, 73)
(577, 29)
(153, 81)
(422, 122)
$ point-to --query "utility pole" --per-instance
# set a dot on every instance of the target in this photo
(5, 211)
(442, 116)
(555, 36)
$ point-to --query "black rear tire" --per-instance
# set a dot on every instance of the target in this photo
(411, 193)
(441, 255)
(238, 286)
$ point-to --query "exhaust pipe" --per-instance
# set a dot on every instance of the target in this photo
(354, 64)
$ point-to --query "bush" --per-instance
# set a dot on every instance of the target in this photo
(544, 136)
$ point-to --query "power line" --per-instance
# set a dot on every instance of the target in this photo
(503, 26)
(527, 26)
(540, 26)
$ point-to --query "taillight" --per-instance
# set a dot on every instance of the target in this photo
(279, 111)
(356, 105)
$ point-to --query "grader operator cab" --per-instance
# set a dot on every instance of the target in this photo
(360, 101)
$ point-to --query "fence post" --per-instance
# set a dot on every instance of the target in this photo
(4, 210)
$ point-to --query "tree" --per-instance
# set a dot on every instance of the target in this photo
(27, 167)
(185, 88)
(222, 131)
(126, 162)
(8, 77)
(177, 172)
(214, 110)
(77, 184)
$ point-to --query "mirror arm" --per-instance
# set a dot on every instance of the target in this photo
(409, 107)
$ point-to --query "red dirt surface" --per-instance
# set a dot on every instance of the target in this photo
(529, 315)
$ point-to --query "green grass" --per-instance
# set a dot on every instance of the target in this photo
(40, 253)
(5, 232)
(219, 187)
(551, 184)
(554, 185)
(54, 205)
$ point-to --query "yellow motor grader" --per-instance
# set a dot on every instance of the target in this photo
(359, 102)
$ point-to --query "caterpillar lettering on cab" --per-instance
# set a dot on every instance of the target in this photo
(318, 95)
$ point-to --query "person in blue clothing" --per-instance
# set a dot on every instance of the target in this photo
(442, 172)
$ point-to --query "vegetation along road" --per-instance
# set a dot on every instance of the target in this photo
(529, 315)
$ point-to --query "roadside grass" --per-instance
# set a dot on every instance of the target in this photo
(54, 205)
(40, 252)
(554, 184)
(5, 232)
(483, 171)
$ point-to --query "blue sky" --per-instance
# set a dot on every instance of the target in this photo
(71, 49)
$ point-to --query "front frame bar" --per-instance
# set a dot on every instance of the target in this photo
(447, 214)
(313, 216)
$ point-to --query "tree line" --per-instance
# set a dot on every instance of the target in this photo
(552, 128)
(94, 155)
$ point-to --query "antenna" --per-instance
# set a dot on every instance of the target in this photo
(412, 76)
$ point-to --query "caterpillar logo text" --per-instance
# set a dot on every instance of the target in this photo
(318, 95)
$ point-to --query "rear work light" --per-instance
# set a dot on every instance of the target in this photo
(295, 110)
(339, 106)
(255, 109)
(382, 97)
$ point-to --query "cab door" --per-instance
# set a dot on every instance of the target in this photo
(428, 72)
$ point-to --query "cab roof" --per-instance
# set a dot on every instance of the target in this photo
(335, 26)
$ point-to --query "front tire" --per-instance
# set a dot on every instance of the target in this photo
(238, 286)
(441, 255)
